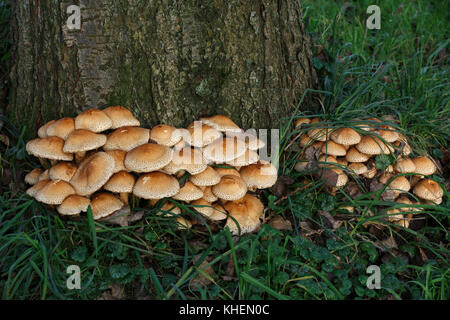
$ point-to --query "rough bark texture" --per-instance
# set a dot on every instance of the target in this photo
(168, 61)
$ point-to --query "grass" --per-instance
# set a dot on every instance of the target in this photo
(399, 70)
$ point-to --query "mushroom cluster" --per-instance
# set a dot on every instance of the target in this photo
(340, 152)
(101, 157)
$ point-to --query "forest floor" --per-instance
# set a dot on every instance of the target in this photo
(311, 249)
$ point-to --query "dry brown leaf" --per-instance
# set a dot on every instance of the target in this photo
(281, 224)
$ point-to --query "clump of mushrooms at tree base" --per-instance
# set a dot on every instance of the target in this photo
(335, 154)
(101, 158)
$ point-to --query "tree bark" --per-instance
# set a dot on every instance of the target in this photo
(168, 61)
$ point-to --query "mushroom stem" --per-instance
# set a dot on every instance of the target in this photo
(79, 156)
(124, 197)
(44, 162)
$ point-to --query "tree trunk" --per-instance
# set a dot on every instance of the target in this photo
(168, 61)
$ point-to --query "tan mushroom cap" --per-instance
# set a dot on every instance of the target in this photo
(394, 214)
(203, 206)
(259, 175)
(400, 184)
(387, 133)
(42, 131)
(405, 200)
(370, 173)
(326, 159)
(373, 145)
(74, 205)
(201, 134)
(92, 173)
(83, 140)
(126, 138)
(54, 192)
(385, 177)
(208, 195)
(121, 181)
(245, 159)
(353, 155)
(104, 204)
(50, 148)
(224, 149)
(222, 171)
(44, 175)
(36, 187)
(32, 177)
(93, 120)
(156, 185)
(301, 165)
(403, 143)
(342, 178)
(358, 168)
(169, 209)
(334, 149)
(305, 140)
(183, 223)
(166, 135)
(428, 189)
(121, 117)
(252, 142)
(189, 159)
(424, 165)
(62, 171)
(119, 159)
(189, 192)
(246, 212)
(221, 123)
(319, 134)
(208, 177)
(301, 121)
(230, 187)
(345, 136)
(61, 128)
(218, 212)
(405, 165)
(148, 157)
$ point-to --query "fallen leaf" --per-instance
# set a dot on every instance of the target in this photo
(330, 177)
(335, 224)
(281, 224)
(207, 273)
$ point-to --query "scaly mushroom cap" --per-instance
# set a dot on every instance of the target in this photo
(92, 173)
(325, 160)
(319, 134)
(226, 171)
(428, 189)
(424, 166)
(251, 140)
(183, 223)
(370, 173)
(394, 214)
(189, 192)
(405, 165)
(83, 140)
(121, 181)
(342, 178)
(301, 121)
(126, 138)
(50, 148)
(353, 155)
(218, 213)
(61, 128)
(119, 158)
(259, 175)
(104, 204)
(44, 175)
(247, 158)
(93, 120)
(203, 206)
(188, 159)
(201, 134)
(400, 184)
(305, 140)
(208, 195)
(74, 205)
(358, 168)
(208, 177)
(54, 192)
(148, 157)
(402, 143)
(230, 188)
(334, 149)
(169, 209)
(121, 117)
(42, 131)
(373, 145)
(166, 135)
(345, 136)
(62, 171)
(32, 177)
(224, 150)
(389, 135)
(221, 123)
(246, 212)
(36, 187)
(156, 185)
